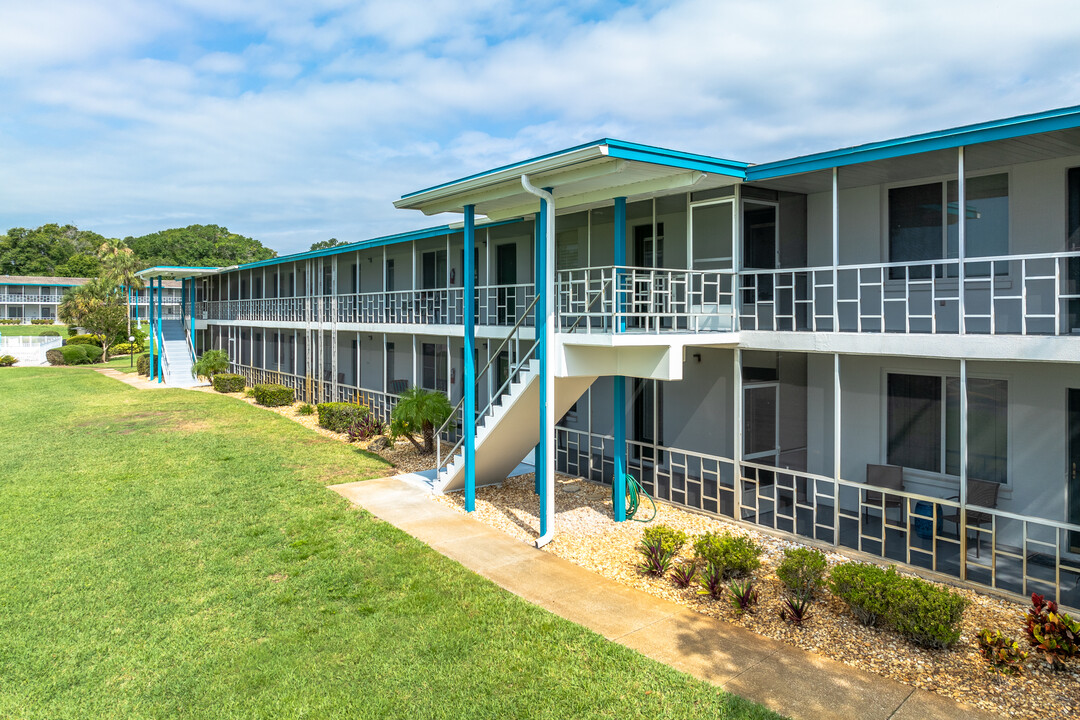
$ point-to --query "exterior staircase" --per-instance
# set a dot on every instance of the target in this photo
(510, 429)
(177, 357)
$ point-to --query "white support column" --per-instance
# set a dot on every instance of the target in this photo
(415, 374)
(737, 426)
(837, 466)
(961, 237)
(963, 466)
(835, 249)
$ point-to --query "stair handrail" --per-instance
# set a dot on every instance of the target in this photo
(163, 359)
(491, 360)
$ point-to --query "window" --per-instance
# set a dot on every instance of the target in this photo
(924, 219)
(923, 425)
(433, 371)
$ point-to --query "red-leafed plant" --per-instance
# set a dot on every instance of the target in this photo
(1053, 633)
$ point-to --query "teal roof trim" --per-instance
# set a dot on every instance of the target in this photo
(674, 158)
(373, 242)
(1048, 121)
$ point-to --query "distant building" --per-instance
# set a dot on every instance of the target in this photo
(32, 297)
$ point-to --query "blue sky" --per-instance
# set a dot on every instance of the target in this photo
(297, 121)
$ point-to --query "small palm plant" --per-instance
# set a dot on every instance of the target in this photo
(210, 364)
(420, 412)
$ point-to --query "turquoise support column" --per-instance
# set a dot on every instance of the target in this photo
(469, 374)
(538, 322)
(619, 385)
(150, 330)
(161, 333)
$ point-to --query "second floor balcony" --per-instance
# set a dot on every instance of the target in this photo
(1033, 294)
(1028, 295)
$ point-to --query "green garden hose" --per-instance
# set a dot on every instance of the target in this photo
(634, 491)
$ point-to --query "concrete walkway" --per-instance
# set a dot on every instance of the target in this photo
(790, 681)
(138, 381)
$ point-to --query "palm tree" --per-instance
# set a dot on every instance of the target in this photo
(420, 411)
(120, 267)
(210, 363)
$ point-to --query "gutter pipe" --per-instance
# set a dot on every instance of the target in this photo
(547, 369)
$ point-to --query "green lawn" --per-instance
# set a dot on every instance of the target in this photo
(175, 554)
(18, 330)
(123, 363)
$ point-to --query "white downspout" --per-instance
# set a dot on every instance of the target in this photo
(548, 401)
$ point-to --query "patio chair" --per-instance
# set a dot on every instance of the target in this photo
(396, 387)
(981, 493)
(886, 477)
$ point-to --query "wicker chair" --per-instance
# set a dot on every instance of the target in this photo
(886, 477)
(981, 493)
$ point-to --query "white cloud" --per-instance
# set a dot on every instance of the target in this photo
(297, 121)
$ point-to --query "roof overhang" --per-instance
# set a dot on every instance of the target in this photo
(169, 272)
(580, 176)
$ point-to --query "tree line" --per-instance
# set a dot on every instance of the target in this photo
(66, 251)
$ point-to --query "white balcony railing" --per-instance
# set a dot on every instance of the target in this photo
(644, 300)
(495, 305)
(16, 298)
(1036, 294)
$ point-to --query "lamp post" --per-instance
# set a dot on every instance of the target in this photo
(131, 350)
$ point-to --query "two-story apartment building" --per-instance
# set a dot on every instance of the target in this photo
(874, 348)
(26, 297)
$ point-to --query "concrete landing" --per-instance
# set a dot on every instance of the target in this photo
(138, 381)
(786, 679)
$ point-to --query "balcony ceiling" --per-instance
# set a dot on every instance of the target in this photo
(579, 177)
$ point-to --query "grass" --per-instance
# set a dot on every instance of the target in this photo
(122, 363)
(23, 330)
(175, 554)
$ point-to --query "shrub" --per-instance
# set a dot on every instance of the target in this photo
(50, 333)
(683, 575)
(76, 354)
(366, 428)
(7, 360)
(924, 613)
(796, 608)
(72, 330)
(93, 352)
(10, 321)
(306, 409)
(228, 383)
(670, 538)
(802, 570)
(142, 364)
(54, 356)
(123, 348)
(1052, 632)
(42, 321)
(735, 554)
(84, 340)
(712, 581)
(271, 395)
(1003, 653)
(742, 596)
(340, 416)
(864, 588)
(657, 557)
